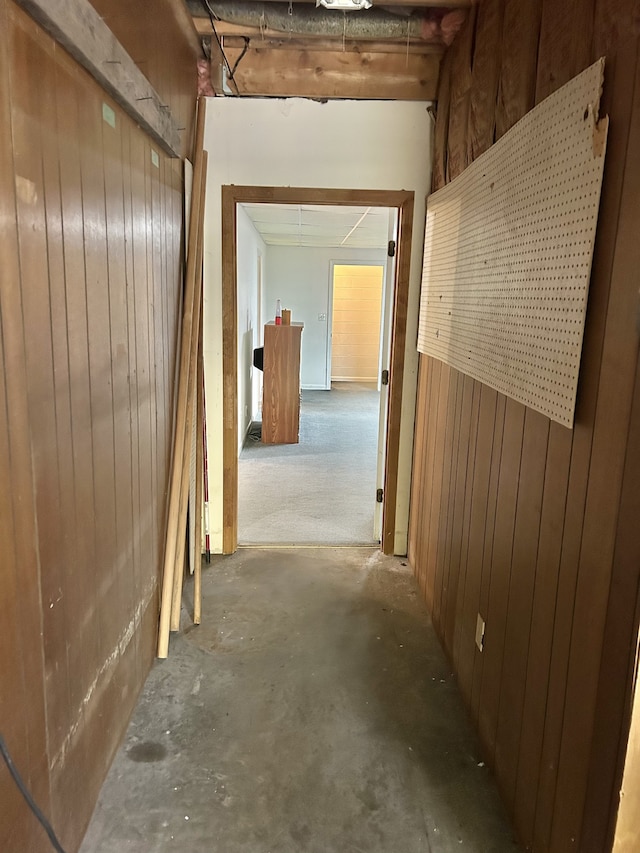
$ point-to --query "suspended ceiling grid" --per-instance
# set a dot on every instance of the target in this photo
(320, 225)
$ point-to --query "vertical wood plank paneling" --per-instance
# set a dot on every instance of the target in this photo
(100, 375)
(533, 548)
(139, 157)
(441, 133)
(24, 732)
(150, 171)
(31, 100)
(451, 432)
(66, 556)
(517, 636)
(566, 31)
(615, 21)
(417, 481)
(617, 102)
(462, 48)
(479, 489)
(617, 373)
(485, 77)
(614, 701)
(501, 562)
(419, 510)
(485, 554)
(457, 517)
(426, 574)
(126, 673)
(517, 84)
(132, 383)
(75, 532)
(455, 615)
(83, 640)
(542, 621)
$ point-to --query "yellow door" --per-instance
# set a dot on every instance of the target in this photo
(355, 342)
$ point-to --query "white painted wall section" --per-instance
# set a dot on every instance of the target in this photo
(251, 248)
(384, 145)
(300, 276)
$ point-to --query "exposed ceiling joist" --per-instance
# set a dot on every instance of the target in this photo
(278, 49)
(335, 74)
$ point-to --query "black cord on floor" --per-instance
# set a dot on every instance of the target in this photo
(29, 799)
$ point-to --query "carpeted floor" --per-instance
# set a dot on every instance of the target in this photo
(322, 490)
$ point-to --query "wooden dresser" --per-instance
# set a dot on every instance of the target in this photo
(281, 384)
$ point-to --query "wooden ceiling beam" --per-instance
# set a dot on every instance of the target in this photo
(349, 46)
(334, 74)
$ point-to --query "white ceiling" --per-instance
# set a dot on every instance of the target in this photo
(320, 225)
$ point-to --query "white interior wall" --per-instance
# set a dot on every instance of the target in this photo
(300, 276)
(251, 248)
(383, 145)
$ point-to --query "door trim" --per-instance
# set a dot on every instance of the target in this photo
(231, 196)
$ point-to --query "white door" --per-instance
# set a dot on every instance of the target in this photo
(385, 354)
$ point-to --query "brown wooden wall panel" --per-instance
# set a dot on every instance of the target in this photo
(22, 700)
(566, 31)
(518, 66)
(441, 132)
(484, 77)
(478, 489)
(443, 412)
(624, 587)
(610, 435)
(161, 39)
(517, 641)
(453, 626)
(521, 520)
(460, 98)
(89, 303)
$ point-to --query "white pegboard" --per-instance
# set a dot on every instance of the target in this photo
(508, 248)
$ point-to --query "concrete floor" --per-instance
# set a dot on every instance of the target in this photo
(312, 712)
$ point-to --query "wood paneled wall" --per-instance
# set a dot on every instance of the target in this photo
(160, 37)
(90, 282)
(517, 518)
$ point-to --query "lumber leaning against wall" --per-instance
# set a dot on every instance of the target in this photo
(517, 518)
(90, 251)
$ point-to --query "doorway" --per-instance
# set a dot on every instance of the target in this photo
(356, 322)
(231, 197)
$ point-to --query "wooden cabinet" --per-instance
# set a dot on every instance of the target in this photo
(281, 384)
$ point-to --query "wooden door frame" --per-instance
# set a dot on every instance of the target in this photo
(232, 195)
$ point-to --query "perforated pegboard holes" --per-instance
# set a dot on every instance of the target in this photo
(508, 249)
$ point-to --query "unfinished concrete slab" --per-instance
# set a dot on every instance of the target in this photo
(313, 711)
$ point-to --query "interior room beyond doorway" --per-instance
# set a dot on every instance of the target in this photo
(328, 265)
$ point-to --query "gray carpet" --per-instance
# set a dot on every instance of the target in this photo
(322, 490)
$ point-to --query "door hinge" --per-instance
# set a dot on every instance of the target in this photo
(384, 379)
(391, 249)
(379, 494)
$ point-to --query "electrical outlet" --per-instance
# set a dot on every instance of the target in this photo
(480, 633)
(246, 412)
(322, 317)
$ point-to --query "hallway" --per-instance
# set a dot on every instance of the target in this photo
(312, 712)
